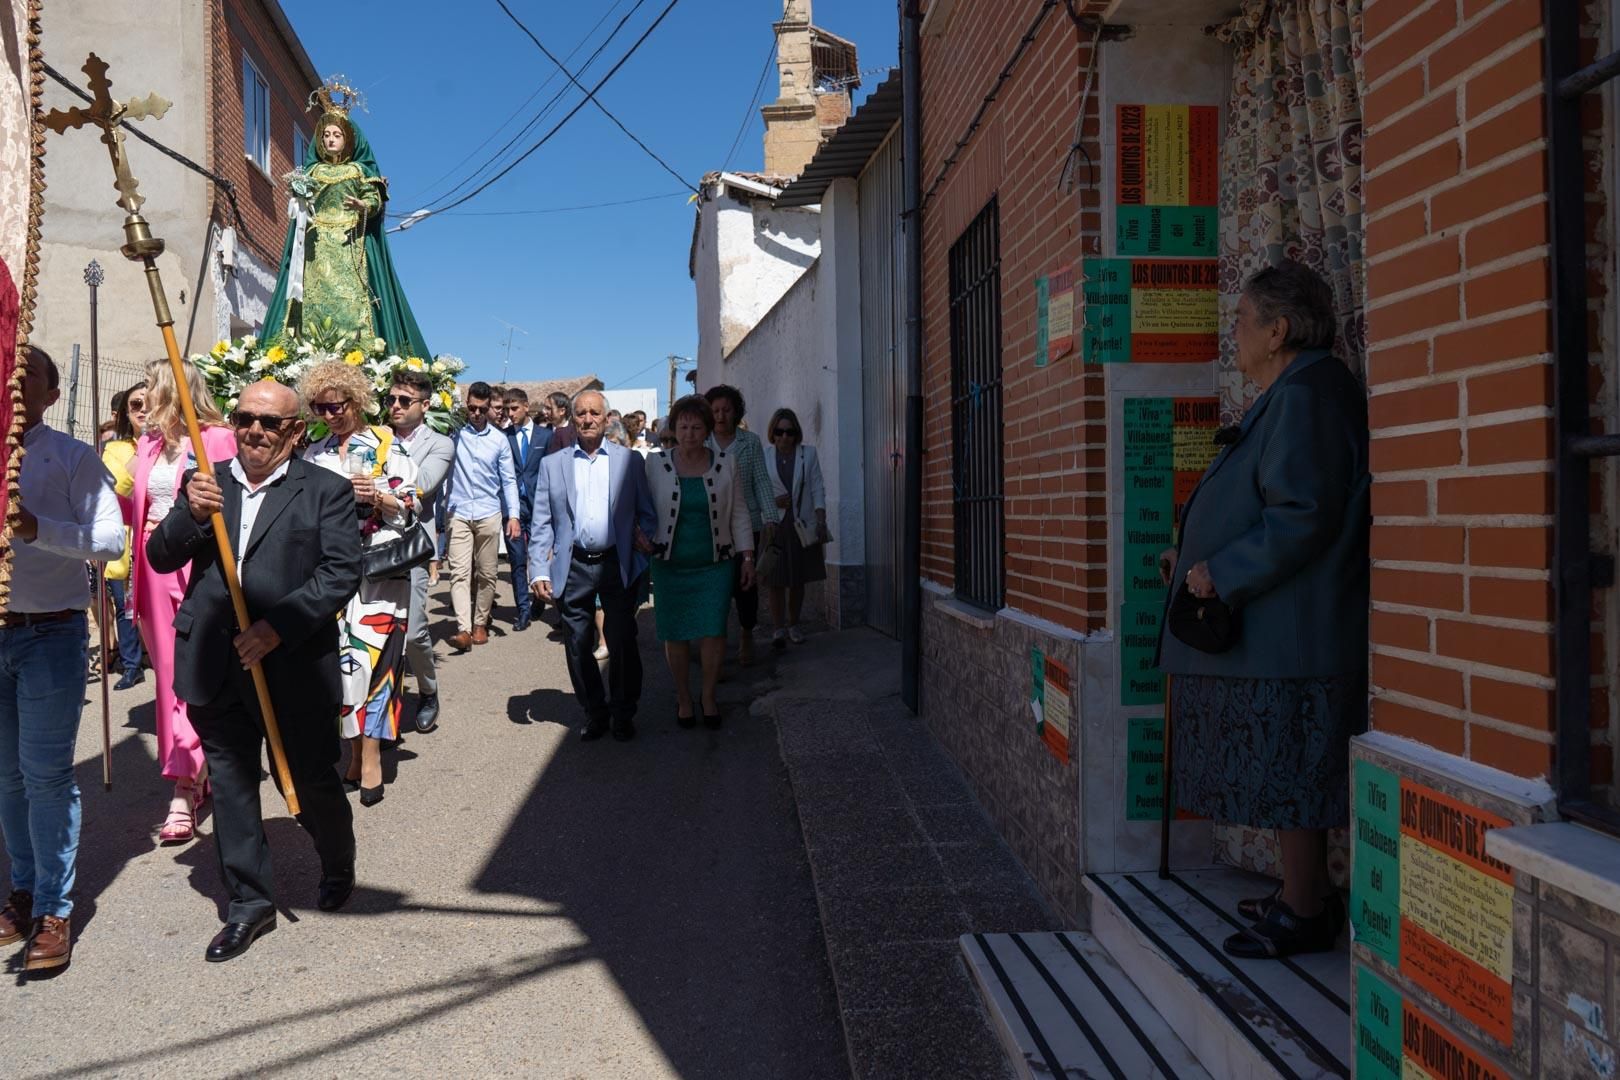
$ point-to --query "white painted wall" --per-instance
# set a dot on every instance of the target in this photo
(628, 401)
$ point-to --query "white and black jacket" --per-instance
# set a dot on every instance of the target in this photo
(730, 529)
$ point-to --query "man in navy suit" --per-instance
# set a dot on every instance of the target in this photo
(593, 514)
(528, 447)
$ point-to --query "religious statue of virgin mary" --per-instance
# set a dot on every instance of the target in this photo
(336, 279)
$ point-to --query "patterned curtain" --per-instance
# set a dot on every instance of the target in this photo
(1291, 163)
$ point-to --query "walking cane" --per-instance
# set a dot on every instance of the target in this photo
(142, 247)
(93, 277)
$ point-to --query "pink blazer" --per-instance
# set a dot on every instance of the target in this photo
(221, 445)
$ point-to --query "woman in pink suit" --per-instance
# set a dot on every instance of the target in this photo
(162, 457)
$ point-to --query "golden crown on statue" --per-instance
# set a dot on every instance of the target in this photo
(336, 96)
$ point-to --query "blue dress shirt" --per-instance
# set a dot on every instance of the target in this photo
(482, 475)
(593, 507)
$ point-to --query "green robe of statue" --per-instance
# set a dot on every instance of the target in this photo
(348, 276)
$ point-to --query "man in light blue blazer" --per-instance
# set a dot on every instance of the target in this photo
(588, 541)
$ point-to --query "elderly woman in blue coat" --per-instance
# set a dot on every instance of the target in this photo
(1276, 534)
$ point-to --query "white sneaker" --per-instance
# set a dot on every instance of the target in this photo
(601, 652)
(794, 635)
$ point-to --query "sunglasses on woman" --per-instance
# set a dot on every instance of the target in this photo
(781, 431)
(243, 420)
(327, 408)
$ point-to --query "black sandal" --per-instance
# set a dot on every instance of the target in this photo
(1283, 933)
(712, 721)
(1255, 907)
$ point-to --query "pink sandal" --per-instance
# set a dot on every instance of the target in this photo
(181, 825)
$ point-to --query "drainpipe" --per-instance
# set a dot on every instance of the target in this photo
(911, 528)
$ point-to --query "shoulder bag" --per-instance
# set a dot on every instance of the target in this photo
(1206, 625)
(397, 558)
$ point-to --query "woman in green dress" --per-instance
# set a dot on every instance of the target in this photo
(703, 521)
(337, 280)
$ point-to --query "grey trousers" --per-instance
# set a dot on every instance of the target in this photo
(419, 637)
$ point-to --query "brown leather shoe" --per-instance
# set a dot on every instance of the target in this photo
(16, 917)
(461, 641)
(480, 635)
(51, 945)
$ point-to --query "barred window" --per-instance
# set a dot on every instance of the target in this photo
(976, 462)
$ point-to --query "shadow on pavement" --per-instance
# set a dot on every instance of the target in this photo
(679, 856)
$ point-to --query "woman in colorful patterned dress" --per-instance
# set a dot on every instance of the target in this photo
(372, 626)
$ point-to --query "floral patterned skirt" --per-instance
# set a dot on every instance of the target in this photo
(1267, 753)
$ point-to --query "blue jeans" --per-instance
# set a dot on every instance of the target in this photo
(129, 637)
(42, 676)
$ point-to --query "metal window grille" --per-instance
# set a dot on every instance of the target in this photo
(977, 476)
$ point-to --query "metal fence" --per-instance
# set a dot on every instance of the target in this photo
(75, 412)
(977, 473)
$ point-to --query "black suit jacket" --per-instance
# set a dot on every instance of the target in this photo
(528, 473)
(299, 569)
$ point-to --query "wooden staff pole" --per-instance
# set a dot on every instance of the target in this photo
(145, 248)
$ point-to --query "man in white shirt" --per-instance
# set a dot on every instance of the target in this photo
(68, 513)
(528, 442)
(482, 482)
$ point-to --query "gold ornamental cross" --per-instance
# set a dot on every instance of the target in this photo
(107, 114)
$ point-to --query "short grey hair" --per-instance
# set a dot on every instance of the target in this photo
(1293, 291)
(573, 406)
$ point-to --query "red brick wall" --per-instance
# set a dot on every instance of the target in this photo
(1056, 558)
(1459, 372)
(238, 25)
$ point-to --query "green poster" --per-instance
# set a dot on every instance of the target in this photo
(1375, 881)
(1379, 1016)
(1037, 671)
(1140, 682)
(1165, 230)
(1149, 468)
(1043, 328)
(1107, 294)
(1144, 768)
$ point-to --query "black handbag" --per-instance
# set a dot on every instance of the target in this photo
(397, 558)
(1206, 625)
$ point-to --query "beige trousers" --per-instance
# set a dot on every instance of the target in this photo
(473, 548)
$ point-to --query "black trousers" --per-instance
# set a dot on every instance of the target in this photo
(232, 736)
(747, 599)
(576, 606)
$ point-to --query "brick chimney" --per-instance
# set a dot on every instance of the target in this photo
(792, 124)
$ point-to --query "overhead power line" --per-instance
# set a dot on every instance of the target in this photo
(553, 209)
(591, 96)
(558, 126)
(753, 103)
(545, 110)
(547, 81)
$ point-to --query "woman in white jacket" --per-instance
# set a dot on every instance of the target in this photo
(702, 517)
(802, 499)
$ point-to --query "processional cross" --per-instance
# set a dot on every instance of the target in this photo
(142, 247)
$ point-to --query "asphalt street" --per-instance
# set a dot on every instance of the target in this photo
(528, 905)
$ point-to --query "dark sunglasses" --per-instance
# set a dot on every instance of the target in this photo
(475, 409)
(779, 432)
(244, 420)
(324, 408)
(404, 401)
(135, 405)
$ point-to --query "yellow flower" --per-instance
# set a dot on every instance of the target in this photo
(275, 354)
(220, 349)
(355, 358)
(415, 363)
(445, 399)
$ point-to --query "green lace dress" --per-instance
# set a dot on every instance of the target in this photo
(693, 589)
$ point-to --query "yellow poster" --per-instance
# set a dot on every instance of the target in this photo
(1173, 311)
(1165, 143)
(1463, 908)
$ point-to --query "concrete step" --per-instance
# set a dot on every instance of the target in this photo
(1063, 1008)
(1244, 1019)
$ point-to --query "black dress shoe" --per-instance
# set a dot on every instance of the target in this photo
(594, 730)
(334, 890)
(624, 730)
(520, 624)
(234, 940)
(131, 678)
(685, 721)
(371, 796)
(427, 713)
(712, 720)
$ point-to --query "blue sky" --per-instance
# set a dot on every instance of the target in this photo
(601, 290)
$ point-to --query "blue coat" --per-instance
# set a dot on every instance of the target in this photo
(1282, 517)
(551, 529)
(528, 469)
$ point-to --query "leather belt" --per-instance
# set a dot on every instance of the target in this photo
(590, 558)
(31, 618)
